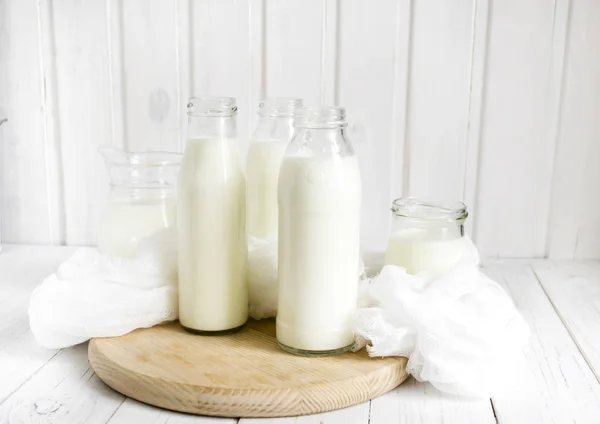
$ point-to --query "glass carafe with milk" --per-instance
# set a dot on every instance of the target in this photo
(427, 237)
(268, 144)
(213, 296)
(142, 198)
(319, 197)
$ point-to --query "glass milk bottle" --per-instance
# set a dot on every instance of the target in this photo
(213, 296)
(319, 199)
(426, 237)
(269, 141)
(142, 198)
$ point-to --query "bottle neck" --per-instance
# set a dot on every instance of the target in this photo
(271, 128)
(212, 127)
(322, 142)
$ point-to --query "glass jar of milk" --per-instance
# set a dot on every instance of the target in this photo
(142, 198)
(213, 296)
(426, 237)
(319, 198)
(269, 141)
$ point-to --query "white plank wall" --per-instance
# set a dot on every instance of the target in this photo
(516, 159)
(574, 226)
(84, 99)
(365, 88)
(439, 63)
(491, 102)
(27, 213)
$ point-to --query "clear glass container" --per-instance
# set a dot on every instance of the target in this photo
(141, 201)
(319, 199)
(269, 141)
(213, 295)
(426, 237)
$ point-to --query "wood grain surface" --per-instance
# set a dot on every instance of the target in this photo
(241, 375)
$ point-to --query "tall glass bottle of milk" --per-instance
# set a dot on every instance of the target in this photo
(319, 197)
(269, 141)
(213, 296)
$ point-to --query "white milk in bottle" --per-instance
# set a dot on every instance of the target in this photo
(142, 198)
(426, 237)
(319, 229)
(269, 141)
(213, 296)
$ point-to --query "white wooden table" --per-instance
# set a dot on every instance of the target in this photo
(558, 382)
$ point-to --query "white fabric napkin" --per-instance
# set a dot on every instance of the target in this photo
(461, 332)
(93, 295)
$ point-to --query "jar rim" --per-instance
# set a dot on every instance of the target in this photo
(321, 117)
(275, 107)
(414, 208)
(114, 156)
(212, 106)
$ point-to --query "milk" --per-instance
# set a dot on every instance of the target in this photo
(319, 224)
(212, 237)
(126, 222)
(264, 160)
(425, 249)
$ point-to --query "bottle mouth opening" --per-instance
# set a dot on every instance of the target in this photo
(321, 117)
(413, 208)
(279, 107)
(212, 106)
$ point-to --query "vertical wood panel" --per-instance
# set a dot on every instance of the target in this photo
(400, 91)
(294, 43)
(183, 63)
(221, 55)
(257, 40)
(516, 160)
(574, 229)
(84, 100)
(329, 53)
(52, 133)
(116, 71)
(366, 72)
(481, 18)
(151, 79)
(25, 211)
(439, 97)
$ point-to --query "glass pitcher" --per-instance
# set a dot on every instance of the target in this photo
(142, 198)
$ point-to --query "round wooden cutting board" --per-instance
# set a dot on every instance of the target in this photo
(239, 375)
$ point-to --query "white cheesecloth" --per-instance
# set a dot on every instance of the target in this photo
(93, 295)
(461, 331)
